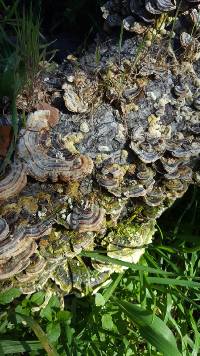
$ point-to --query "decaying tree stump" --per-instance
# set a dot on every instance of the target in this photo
(123, 148)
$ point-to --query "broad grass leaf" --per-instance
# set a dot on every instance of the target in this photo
(172, 282)
(12, 347)
(196, 347)
(16, 317)
(9, 295)
(133, 266)
(152, 328)
(67, 332)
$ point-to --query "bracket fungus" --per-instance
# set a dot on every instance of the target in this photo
(124, 150)
(40, 165)
(136, 15)
(87, 218)
(17, 248)
(14, 181)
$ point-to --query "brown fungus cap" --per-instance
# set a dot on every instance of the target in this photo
(40, 165)
(13, 183)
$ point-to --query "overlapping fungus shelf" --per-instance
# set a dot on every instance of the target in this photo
(126, 147)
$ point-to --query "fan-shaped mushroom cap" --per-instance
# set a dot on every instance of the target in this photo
(17, 248)
(110, 177)
(87, 218)
(41, 166)
(18, 262)
(80, 92)
(183, 173)
(145, 11)
(39, 120)
(14, 182)
(155, 197)
(135, 189)
(13, 243)
(34, 269)
(4, 229)
(175, 188)
(72, 101)
(171, 164)
(148, 152)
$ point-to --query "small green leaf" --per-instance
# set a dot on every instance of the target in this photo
(20, 310)
(69, 334)
(99, 300)
(152, 328)
(64, 316)
(46, 313)
(53, 332)
(9, 295)
(54, 302)
(107, 322)
(38, 298)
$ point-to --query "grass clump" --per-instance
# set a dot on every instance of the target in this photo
(20, 57)
(21, 49)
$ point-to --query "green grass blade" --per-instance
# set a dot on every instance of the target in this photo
(111, 288)
(13, 347)
(135, 267)
(194, 325)
(167, 261)
(183, 297)
(10, 10)
(172, 282)
(151, 327)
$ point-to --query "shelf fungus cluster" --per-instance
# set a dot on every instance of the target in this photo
(33, 150)
(176, 19)
(97, 180)
(138, 15)
(16, 248)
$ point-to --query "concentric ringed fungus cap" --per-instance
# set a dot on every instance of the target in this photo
(39, 164)
(14, 182)
(88, 218)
